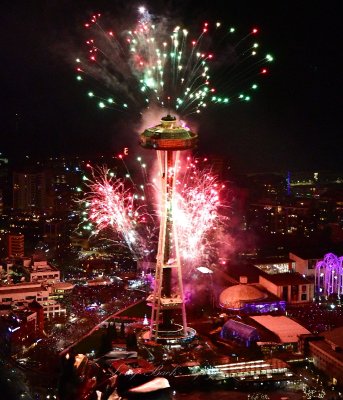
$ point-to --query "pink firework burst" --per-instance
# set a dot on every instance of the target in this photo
(112, 205)
(199, 213)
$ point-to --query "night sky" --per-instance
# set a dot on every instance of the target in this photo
(292, 123)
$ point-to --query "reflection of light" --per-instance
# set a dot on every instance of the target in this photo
(204, 270)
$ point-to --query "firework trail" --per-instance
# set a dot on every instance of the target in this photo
(157, 63)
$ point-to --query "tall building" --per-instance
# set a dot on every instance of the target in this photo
(1, 203)
(15, 245)
(32, 191)
(168, 139)
(4, 183)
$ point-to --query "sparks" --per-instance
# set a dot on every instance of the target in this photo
(153, 60)
(112, 204)
(198, 211)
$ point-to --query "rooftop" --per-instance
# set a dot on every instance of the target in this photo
(235, 296)
(331, 339)
(12, 289)
(309, 254)
(335, 336)
(40, 267)
(248, 270)
(286, 278)
(285, 328)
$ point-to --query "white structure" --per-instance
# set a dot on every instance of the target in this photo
(329, 275)
(28, 292)
(285, 328)
(41, 271)
(235, 297)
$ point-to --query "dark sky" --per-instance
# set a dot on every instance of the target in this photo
(293, 122)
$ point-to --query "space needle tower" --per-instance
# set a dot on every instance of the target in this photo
(168, 139)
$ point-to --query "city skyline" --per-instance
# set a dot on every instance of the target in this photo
(292, 122)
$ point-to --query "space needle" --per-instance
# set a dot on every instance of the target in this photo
(168, 139)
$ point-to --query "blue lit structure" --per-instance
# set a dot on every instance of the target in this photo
(239, 331)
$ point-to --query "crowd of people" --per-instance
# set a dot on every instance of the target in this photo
(317, 317)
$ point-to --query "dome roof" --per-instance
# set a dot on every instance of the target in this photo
(236, 296)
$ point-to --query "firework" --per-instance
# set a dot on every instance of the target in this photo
(111, 203)
(125, 208)
(199, 212)
(157, 63)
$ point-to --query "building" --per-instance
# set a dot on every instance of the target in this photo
(4, 183)
(326, 351)
(53, 230)
(240, 332)
(290, 287)
(1, 203)
(250, 299)
(18, 326)
(269, 332)
(25, 293)
(305, 261)
(32, 191)
(39, 310)
(41, 271)
(286, 329)
(15, 245)
(275, 265)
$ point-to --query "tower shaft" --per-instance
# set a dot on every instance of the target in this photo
(168, 292)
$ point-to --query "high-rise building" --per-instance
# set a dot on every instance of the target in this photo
(1, 203)
(4, 183)
(32, 191)
(15, 245)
